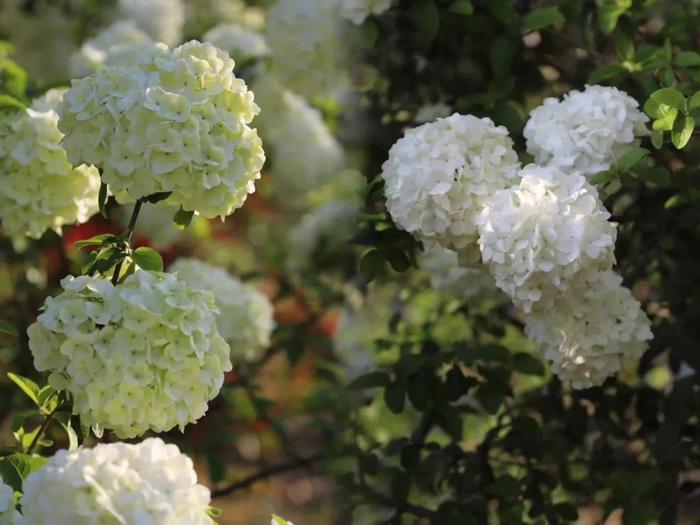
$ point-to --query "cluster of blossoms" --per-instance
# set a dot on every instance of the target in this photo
(39, 188)
(174, 122)
(359, 10)
(245, 317)
(241, 43)
(8, 514)
(145, 354)
(586, 131)
(162, 20)
(147, 483)
(117, 45)
(308, 43)
(439, 174)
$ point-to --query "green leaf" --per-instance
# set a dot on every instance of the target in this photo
(657, 138)
(606, 73)
(279, 520)
(148, 259)
(426, 16)
(490, 397)
(631, 158)
(688, 59)
(370, 380)
(501, 55)
(7, 329)
(462, 7)
(666, 120)
(670, 97)
(398, 260)
(682, 131)
(107, 258)
(214, 512)
(7, 101)
(182, 218)
(157, 197)
(541, 18)
(603, 177)
(625, 47)
(527, 364)
(395, 397)
(14, 469)
(371, 265)
(694, 102)
(102, 198)
(97, 240)
(504, 487)
(609, 12)
(27, 386)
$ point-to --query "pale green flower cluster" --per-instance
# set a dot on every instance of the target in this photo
(163, 20)
(143, 355)
(246, 315)
(149, 483)
(8, 514)
(39, 189)
(175, 121)
(241, 43)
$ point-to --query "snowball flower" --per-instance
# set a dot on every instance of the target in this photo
(587, 131)
(246, 315)
(308, 44)
(39, 189)
(447, 275)
(430, 112)
(8, 514)
(146, 483)
(241, 43)
(143, 355)
(593, 332)
(163, 20)
(438, 175)
(175, 121)
(542, 235)
(119, 44)
(359, 10)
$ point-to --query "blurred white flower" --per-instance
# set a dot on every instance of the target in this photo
(39, 189)
(175, 121)
(586, 131)
(245, 317)
(162, 20)
(439, 174)
(542, 235)
(241, 43)
(431, 112)
(359, 10)
(594, 331)
(120, 44)
(146, 483)
(8, 514)
(143, 355)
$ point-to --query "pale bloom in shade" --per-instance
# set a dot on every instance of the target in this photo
(359, 10)
(8, 514)
(241, 43)
(162, 20)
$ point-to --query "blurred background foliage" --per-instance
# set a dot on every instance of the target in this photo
(382, 400)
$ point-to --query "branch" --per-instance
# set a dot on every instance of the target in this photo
(129, 232)
(42, 430)
(265, 474)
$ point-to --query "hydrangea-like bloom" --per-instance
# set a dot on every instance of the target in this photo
(120, 44)
(176, 121)
(359, 10)
(587, 131)
(304, 151)
(439, 174)
(448, 276)
(593, 332)
(39, 189)
(542, 235)
(8, 514)
(117, 483)
(145, 354)
(163, 20)
(246, 315)
(241, 43)
(308, 42)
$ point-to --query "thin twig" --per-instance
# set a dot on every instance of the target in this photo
(42, 429)
(129, 232)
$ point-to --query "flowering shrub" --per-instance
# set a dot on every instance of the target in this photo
(241, 43)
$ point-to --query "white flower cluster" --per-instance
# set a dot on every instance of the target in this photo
(447, 275)
(8, 514)
(146, 483)
(438, 175)
(241, 43)
(145, 354)
(359, 10)
(586, 131)
(163, 20)
(592, 333)
(308, 43)
(303, 149)
(39, 189)
(246, 317)
(540, 236)
(176, 121)
(120, 44)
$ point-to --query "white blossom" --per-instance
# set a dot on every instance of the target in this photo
(163, 20)
(120, 44)
(8, 514)
(143, 355)
(308, 44)
(359, 10)
(438, 175)
(39, 189)
(586, 131)
(241, 43)
(592, 332)
(542, 235)
(149, 483)
(429, 112)
(176, 121)
(246, 317)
